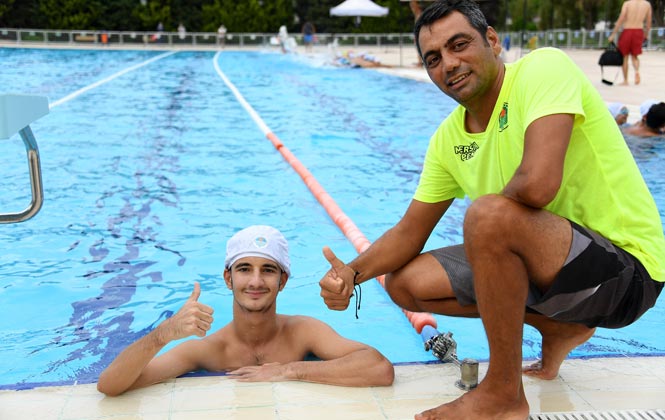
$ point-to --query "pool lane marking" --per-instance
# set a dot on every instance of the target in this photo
(343, 222)
(108, 79)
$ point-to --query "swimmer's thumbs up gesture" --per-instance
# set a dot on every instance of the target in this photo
(194, 318)
(337, 284)
(135, 367)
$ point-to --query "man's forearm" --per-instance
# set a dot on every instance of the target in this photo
(123, 372)
(376, 370)
(390, 252)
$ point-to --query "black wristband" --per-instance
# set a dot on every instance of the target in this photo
(355, 277)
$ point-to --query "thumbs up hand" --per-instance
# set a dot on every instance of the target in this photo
(194, 318)
(337, 284)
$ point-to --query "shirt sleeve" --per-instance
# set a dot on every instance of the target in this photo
(549, 87)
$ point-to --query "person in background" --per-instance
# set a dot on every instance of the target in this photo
(562, 232)
(634, 17)
(258, 344)
(157, 37)
(221, 35)
(308, 34)
(652, 123)
(284, 39)
(620, 113)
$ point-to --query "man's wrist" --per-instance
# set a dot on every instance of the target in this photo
(160, 335)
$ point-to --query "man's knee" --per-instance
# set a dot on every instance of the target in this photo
(490, 214)
(396, 286)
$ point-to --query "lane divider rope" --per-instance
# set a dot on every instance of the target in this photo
(418, 319)
(108, 79)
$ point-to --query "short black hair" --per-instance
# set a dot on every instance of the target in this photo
(655, 118)
(442, 8)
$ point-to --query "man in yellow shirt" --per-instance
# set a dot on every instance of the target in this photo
(562, 233)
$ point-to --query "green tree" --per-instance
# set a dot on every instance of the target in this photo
(658, 12)
(70, 14)
(5, 7)
(152, 13)
(248, 15)
(269, 15)
(22, 14)
(119, 15)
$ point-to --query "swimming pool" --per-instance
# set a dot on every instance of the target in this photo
(148, 173)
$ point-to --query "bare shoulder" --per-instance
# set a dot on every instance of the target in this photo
(301, 322)
(306, 327)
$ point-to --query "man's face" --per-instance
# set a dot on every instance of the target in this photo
(458, 59)
(255, 282)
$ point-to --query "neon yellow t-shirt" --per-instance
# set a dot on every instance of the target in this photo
(602, 188)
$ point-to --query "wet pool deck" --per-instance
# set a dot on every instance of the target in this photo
(583, 385)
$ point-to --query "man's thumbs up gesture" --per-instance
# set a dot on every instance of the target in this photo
(337, 284)
(194, 318)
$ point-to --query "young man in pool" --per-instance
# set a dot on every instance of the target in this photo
(652, 123)
(258, 344)
(562, 232)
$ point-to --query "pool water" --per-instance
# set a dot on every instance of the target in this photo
(149, 173)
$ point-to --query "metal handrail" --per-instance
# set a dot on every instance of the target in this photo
(17, 112)
(35, 181)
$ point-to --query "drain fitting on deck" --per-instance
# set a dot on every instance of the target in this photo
(444, 348)
(469, 374)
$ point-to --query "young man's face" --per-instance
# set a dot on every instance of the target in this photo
(458, 59)
(255, 282)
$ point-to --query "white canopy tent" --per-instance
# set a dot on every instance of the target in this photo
(358, 8)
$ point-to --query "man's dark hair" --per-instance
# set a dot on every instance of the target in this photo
(655, 118)
(443, 8)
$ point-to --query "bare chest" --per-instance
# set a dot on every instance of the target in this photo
(239, 355)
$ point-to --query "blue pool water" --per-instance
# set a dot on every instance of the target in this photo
(147, 174)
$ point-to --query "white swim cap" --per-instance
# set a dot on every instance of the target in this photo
(646, 106)
(616, 107)
(258, 241)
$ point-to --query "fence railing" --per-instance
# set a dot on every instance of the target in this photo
(580, 38)
(188, 39)
(526, 40)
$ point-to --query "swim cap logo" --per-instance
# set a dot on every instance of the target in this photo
(260, 242)
(503, 117)
(466, 152)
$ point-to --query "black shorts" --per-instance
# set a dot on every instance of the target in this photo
(600, 285)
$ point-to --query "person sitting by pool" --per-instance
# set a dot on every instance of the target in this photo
(652, 122)
(620, 112)
(357, 60)
(258, 344)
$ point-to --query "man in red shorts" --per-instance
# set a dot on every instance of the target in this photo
(635, 14)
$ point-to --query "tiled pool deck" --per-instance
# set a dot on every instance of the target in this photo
(596, 385)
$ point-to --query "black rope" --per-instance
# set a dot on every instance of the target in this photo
(358, 293)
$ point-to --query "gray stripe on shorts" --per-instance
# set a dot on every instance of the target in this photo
(565, 301)
(578, 245)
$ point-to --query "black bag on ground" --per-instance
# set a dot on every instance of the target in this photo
(610, 57)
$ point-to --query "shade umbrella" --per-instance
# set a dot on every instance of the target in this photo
(358, 8)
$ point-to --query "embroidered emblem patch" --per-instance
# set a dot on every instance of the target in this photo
(503, 117)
